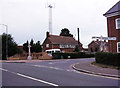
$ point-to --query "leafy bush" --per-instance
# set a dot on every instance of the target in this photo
(71, 55)
(108, 58)
(12, 48)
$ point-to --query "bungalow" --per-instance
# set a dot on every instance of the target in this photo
(96, 46)
(65, 44)
(113, 27)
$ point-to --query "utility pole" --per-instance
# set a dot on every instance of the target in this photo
(101, 45)
(50, 18)
(0, 47)
(78, 37)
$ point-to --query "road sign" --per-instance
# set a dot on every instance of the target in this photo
(104, 38)
(95, 37)
(109, 38)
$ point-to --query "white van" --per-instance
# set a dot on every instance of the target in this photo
(50, 51)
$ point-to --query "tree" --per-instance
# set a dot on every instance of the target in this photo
(25, 46)
(35, 47)
(38, 47)
(12, 46)
(77, 48)
(65, 32)
(31, 42)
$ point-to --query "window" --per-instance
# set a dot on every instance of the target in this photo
(118, 47)
(61, 46)
(67, 46)
(47, 45)
(118, 23)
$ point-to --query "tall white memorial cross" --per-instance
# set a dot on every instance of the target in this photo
(29, 57)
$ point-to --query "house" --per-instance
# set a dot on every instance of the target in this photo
(113, 27)
(85, 50)
(98, 46)
(65, 44)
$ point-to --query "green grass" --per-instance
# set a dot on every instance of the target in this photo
(105, 66)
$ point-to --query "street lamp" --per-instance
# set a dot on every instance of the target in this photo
(6, 40)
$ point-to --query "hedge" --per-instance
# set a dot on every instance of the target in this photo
(71, 55)
(108, 58)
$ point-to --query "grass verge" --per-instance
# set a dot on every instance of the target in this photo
(105, 66)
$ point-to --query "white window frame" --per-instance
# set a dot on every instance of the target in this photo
(61, 46)
(117, 23)
(118, 47)
(47, 45)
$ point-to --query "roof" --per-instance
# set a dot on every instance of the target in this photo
(62, 40)
(99, 43)
(19, 46)
(114, 9)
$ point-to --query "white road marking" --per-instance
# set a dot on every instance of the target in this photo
(59, 62)
(3, 69)
(70, 70)
(55, 68)
(50, 63)
(35, 79)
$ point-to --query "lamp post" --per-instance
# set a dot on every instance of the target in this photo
(6, 40)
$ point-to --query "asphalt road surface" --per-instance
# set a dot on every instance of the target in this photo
(50, 73)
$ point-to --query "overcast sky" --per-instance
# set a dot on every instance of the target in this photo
(28, 19)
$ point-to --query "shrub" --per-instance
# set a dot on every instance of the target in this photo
(108, 58)
(71, 55)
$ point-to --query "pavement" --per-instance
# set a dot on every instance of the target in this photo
(20, 61)
(87, 67)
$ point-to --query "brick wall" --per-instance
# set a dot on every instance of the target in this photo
(93, 45)
(55, 46)
(113, 32)
(67, 49)
(47, 41)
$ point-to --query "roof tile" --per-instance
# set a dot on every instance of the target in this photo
(62, 40)
(115, 8)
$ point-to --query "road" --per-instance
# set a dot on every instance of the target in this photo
(50, 73)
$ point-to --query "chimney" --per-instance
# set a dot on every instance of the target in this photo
(104, 40)
(78, 37)
(47, 34)
(97, 40)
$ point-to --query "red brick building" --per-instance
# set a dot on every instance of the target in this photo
(113, 25)
(65, 44)
(95, 46)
